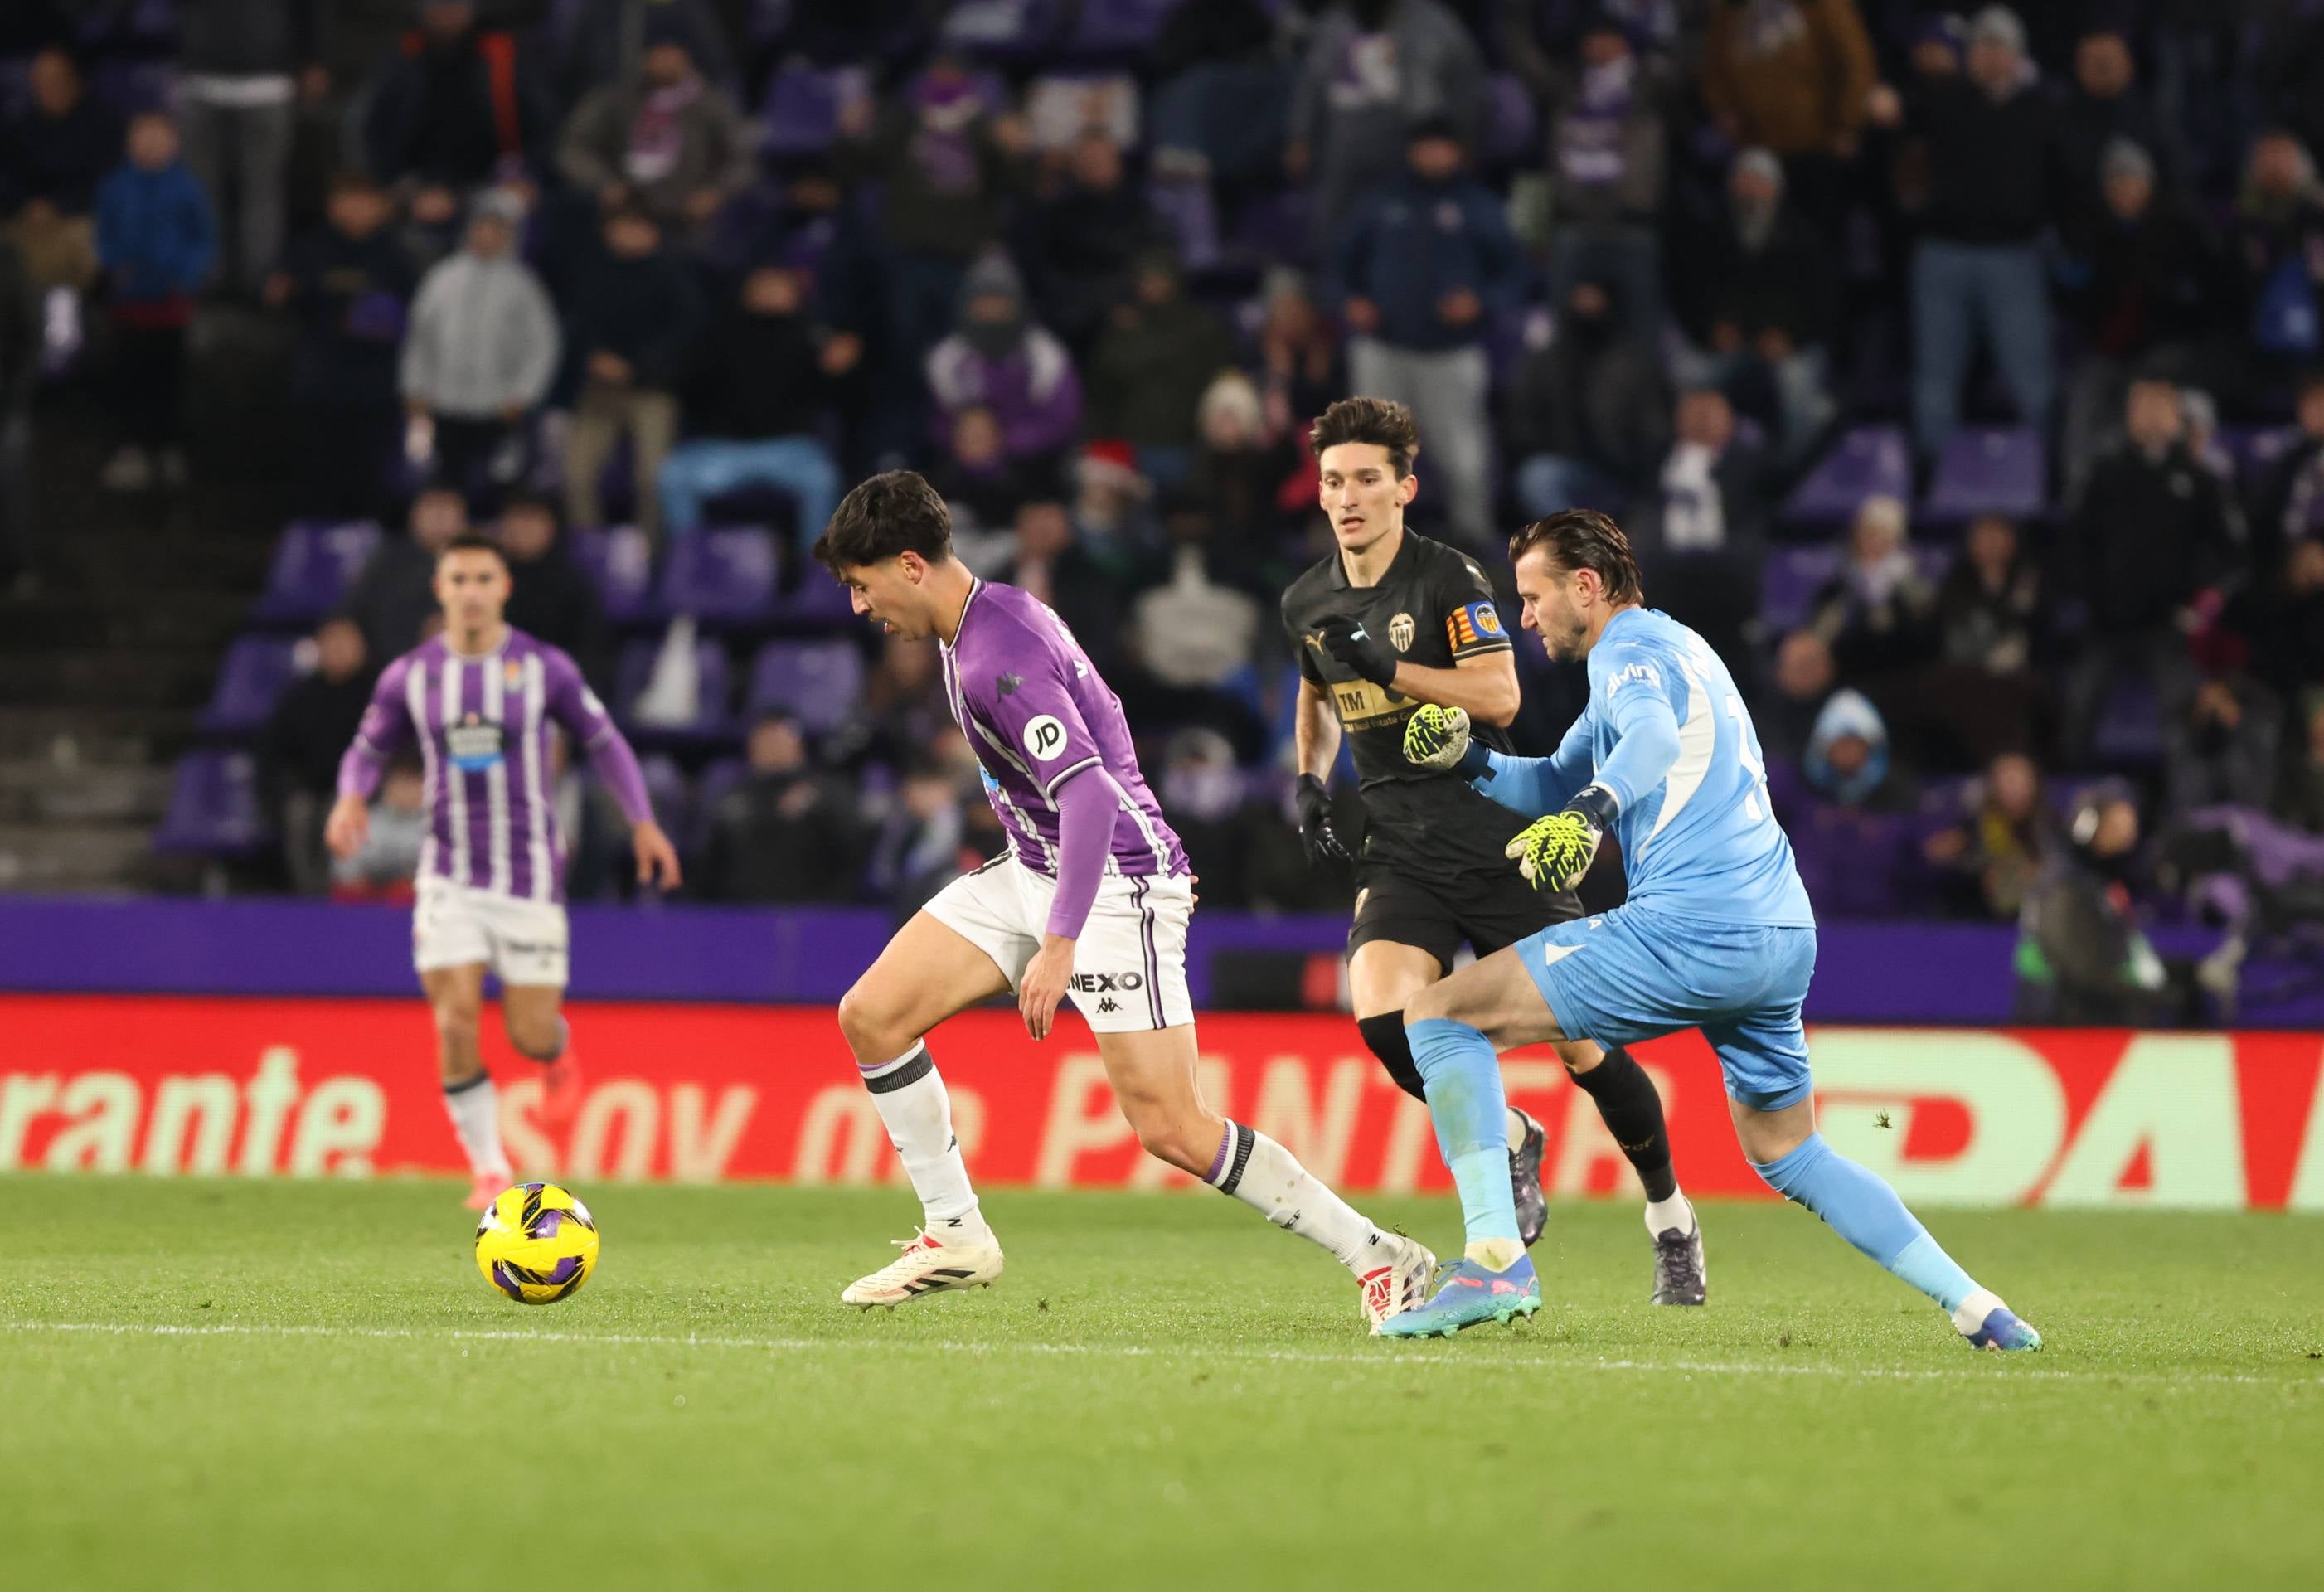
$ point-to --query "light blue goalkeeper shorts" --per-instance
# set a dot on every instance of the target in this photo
(1638, 972)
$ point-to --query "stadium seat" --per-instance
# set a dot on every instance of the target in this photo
(725, 578)
(314, 565)
(1988, 470)
(719, 778)
(999, 29)
(1186, 207)
(621, 561)
(2129, 730)
(713, 689)
(214, 807)
(666, 785)
(1512, 123)
(802, 110)
(255, 671)
(1788, 587)
(818, 680)
(1849, 860)
(1116, 29)
(1273, 228)
(818, 602)
(1865, 462)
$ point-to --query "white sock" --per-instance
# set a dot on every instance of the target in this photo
(913, 1103)
(1268, 1178)
(1663, 1215)
(475, 1109)
(1973, 1311)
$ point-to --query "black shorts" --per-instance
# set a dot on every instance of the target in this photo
(1488, 911)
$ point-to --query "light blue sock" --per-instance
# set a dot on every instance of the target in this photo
(1462, 1077)
(1865, 1211)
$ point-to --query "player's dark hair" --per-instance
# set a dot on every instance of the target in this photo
(1583, 538)
(895, 511)
(473, 541)
(1382, 421)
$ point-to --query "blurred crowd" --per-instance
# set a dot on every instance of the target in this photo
(562, 265)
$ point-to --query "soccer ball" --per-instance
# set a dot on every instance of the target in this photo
(537, 1243)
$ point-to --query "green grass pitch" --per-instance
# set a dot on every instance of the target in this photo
(254, 1385)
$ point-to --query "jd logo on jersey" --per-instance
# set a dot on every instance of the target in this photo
(474, 744)
(1044, 737)
(1099, 984)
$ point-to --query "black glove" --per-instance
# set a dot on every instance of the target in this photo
(1346, 640)
(1316, 823)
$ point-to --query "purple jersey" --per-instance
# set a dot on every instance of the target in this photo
(1025, 695)
(481, 725)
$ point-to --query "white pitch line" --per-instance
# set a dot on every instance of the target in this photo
(1386, 1358)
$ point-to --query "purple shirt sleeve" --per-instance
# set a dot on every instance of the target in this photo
(1034, 712)
(385, 729)
(1085, 811)
(575, 706)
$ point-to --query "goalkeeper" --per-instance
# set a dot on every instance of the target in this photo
(1717, 933)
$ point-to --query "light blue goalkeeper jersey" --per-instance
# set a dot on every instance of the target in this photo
(1667, 732)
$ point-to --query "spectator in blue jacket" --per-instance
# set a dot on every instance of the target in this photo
(155, 242)
(1425, 265)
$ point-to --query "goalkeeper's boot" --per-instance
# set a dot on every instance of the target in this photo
(485, 1187)
(1525, 1180)
(927, 1265)
(1399, 1283)
(1985, 1322)
(1471, 1296)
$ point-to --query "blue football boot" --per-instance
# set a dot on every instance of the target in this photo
(1470, 1296)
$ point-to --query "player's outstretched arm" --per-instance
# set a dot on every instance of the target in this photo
(1645, 738)
(1085, 813)
(575, 706)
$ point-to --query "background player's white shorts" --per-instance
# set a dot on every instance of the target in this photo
(454, 925)
(1130, 964)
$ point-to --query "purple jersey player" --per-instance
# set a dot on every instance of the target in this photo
(481, 703)
(1093, 898)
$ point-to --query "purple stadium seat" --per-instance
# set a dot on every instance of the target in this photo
(725, 578)
(1794, 575)
(1869, 460)
(1988, 470)
(314, 565)
(666, 785)
(1850, 861)
(1117, 29)
(2264, 447)
(213, 808)
(1274, 227)
(1004, 30)
(818, 602)
(2129, 730)
(1194, 221)
(1512, 129)
(802, 110)
(719, 778)
(818, 680)
(715, 690)
(253, 675)
(621, 561)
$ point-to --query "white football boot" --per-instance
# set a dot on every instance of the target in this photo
(927, 1265)
(1398, 1284)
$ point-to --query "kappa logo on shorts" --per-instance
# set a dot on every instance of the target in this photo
(1045, 737)
(1097, 983)
(1106, 1007)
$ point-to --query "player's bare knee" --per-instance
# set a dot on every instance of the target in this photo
(1177, 1139)
(1430, 1002)
(539, 1039)
(869, 1028)
(458, 1020)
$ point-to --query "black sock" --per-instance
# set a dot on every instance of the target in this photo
(1633, 1113)
(1385, 1034)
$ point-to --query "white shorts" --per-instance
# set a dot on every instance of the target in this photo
(455, 924)
(1130, 964)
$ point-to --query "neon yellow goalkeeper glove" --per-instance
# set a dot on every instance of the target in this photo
(1436, 737)
(1555, 851)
